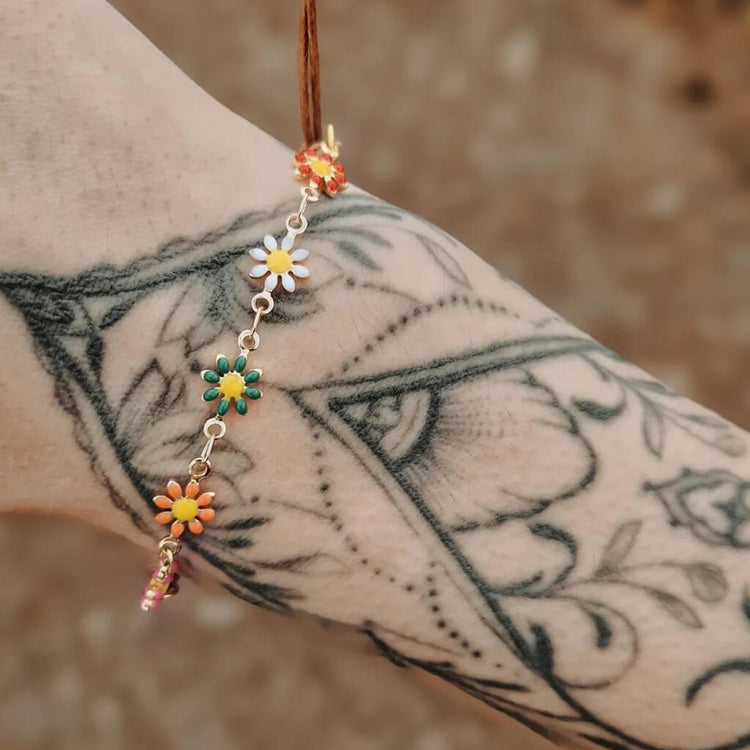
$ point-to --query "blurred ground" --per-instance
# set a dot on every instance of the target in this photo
(599, 153)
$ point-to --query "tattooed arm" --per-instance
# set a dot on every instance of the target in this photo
(438, 460)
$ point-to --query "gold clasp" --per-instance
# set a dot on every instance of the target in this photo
(331, 145)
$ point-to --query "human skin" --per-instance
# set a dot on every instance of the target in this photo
(437, 459)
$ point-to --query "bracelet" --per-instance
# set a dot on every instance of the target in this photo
(231, 382)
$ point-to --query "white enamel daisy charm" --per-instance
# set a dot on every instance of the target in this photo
(279, 263)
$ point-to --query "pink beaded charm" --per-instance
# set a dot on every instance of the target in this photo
(163, 580)
(157, 587)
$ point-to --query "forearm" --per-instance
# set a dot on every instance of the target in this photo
(437, 459)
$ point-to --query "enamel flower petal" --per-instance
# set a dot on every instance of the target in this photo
(300, 272)
(206, 499)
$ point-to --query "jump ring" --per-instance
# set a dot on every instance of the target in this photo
(266, 298)
(166, 557)
(219, 431)
(199, 468)
(248, 340)
(296, 224)
(169, 548)
(170, 542)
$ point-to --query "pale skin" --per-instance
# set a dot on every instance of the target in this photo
(437, 459)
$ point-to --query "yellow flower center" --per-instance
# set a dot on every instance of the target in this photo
(279, 261)
(185, 509)
(321, 168)
(231, 385)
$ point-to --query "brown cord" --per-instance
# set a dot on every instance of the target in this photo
(309, 74)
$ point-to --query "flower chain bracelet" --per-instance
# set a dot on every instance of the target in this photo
(232, 382)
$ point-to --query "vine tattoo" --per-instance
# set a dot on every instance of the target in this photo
(524, 550)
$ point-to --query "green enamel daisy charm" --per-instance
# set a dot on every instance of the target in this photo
(231, 384)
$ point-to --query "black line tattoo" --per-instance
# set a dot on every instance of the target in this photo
(657, 403)
(713, 505)
(453, 419)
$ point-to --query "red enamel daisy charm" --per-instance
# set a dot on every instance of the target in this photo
(319, 167)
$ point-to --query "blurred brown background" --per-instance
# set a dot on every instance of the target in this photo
(597, 152)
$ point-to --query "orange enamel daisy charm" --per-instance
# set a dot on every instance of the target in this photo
(180, 508)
